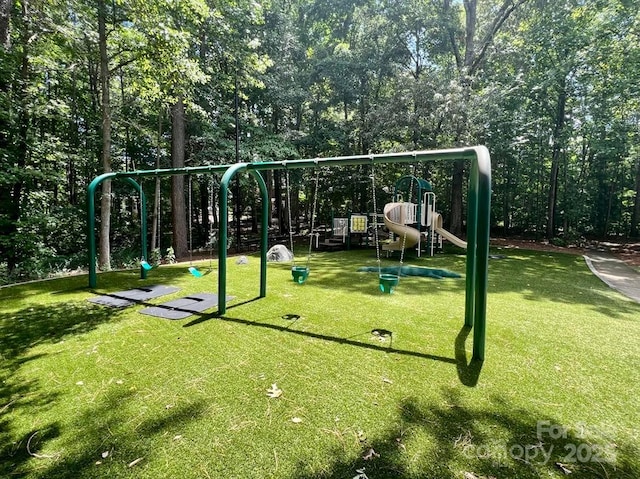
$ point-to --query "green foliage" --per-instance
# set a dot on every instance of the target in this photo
(170, 256)
(318, 79)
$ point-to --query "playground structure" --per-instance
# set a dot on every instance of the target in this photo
(479, 199)
(412, 224)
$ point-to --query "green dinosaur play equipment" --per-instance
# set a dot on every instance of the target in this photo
(478, 217)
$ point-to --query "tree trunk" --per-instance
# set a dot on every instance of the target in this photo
(555, 163)
(457, 179)
(470, 7)
(178, 216)
(5, 24)
(635, 219)
(468, 67)
(506, 200)
(457, 183)
(156, 232)
(104, 261)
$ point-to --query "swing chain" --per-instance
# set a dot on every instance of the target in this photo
(293, 261)
(210, 220)
(189, 226)
(375, 215)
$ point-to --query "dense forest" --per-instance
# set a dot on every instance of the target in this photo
(86, 87)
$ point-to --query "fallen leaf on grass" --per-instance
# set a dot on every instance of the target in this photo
(360, 474)
(563, 468)
(370, 454)
(105, 454)
(177, 437)
(134, 462)
(80, 383)
(296, 420)
(386, 380)
(471, 475)
(274, 391)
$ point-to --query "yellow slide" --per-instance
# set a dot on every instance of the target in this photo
(412, 234)
(437, 226)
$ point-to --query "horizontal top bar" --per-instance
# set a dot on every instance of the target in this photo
(404, 157)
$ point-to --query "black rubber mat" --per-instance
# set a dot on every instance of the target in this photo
(184, 307)
(122, 299)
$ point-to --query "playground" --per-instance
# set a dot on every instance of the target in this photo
(317, 368)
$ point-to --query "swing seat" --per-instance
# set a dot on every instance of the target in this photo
(299, 274)
(194, 271)
(146, 266)
(388, 282)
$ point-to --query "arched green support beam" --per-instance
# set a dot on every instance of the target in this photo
(223, 229)
(91, 224)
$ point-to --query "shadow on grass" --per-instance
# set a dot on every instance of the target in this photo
(454, 440)
(324, 337)
(21, 450)
(468, 371)
(21, 331)
(105, 427)
(49, 323)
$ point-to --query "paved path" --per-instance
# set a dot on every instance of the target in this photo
(615, 273)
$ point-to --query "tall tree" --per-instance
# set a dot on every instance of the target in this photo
(469, 58)
(177, 182)
(5, 23)
(105, 77)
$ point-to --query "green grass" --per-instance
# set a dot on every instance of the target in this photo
(189, 397)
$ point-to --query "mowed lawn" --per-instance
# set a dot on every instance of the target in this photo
(364, 385)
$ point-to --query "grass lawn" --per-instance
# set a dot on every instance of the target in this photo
(89, 392)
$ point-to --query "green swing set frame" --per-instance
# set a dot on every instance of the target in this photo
(478, 218)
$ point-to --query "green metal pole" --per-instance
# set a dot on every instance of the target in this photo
(91, 225)
(264, 236)
(91, 221)
(91, 236)
(472, 244)
(223, 234)
(482, 253)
